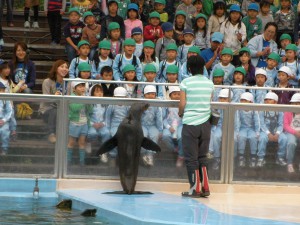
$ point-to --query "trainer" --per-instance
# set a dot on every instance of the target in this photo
(195, 108)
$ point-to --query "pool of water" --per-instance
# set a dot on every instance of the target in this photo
(43, 211)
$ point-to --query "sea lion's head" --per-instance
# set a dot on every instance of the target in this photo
(137, 110)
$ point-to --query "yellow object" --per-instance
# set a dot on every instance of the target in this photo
(23, 111)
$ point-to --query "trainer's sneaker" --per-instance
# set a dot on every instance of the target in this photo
(290, 168)
(27, 24)
(242, 161)
(252, 163)
(280, 161)
(35, 25)
(260, 162)
(148, 160)
(179, 161)
(104, 158)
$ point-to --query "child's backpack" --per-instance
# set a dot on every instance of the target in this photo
(134, 62)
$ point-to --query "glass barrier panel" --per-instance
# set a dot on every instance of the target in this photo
(265, 150)
(162, 125)
(26, 147)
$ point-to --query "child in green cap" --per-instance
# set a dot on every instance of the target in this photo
(179, 26)
(190, 11)
(238, 80)
(73, 33)
(103, 58)
(171, 60)
(126, 58)
(272, 61)
(225, 65)
(202, 38)
(285, 39)
(114, 37)
(129, 74)
(149, 76)
(292, 62)
(91, 32)
(153, 31)
(148, 55)
(218, 78)
(84, 51)
(159, 6)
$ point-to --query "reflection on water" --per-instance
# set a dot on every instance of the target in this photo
(30, 211)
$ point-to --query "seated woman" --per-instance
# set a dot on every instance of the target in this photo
(262, 45)
(22, 68)
(53, 86)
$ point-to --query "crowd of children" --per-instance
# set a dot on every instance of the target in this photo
(148, 41)
(139, 42)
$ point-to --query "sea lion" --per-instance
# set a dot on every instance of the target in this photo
(129, 139)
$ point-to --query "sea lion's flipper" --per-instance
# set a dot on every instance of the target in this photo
(150, 145)
(133, 193)
(65, 204)
(108, 145)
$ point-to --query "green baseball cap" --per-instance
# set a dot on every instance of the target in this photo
(86, 14)
(218, 73)
(154, 15)
(291, 47)
(245, 49)
(172, 69)
(172, 46)
(180, 12)
(84, 66)
(127, 68)
(160, 1)
(274, 56)
(227, 51)
(113, 26)
(129, 41)
(201, 15)
(149, 68)
(104, 44)
(240, 70)
(194, 49)
(74, 9)
(285, 36)
(82, 42)
(149, 44)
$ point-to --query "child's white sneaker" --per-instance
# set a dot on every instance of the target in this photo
(88, 148)
(27, 24)
(35, 25)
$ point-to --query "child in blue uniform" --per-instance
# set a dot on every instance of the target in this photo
(260, 79)
(173, 127)
(247, 127)
(216, 131)
(152, 123)
(98, 128)
(271, 131)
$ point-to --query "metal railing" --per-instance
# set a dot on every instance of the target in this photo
(62, 170)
